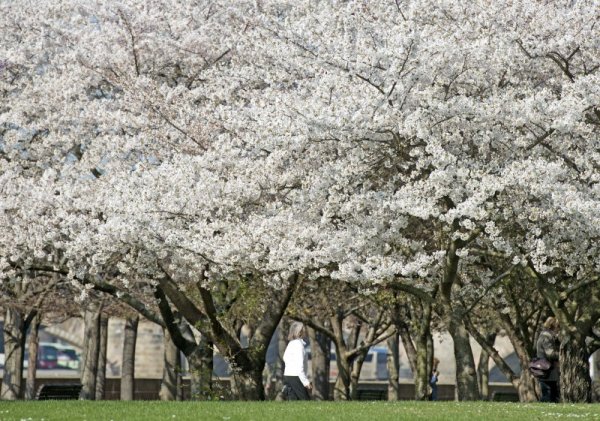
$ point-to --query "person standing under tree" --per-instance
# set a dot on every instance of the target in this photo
(296, 362)
(433, 380)
(547, 346)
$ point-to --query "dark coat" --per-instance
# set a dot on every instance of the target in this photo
(548, 347)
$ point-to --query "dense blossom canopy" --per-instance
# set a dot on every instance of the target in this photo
(327, 137)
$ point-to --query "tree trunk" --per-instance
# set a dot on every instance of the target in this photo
(201, 368)
(171, 371)
(422, 373)
(34, 344)
(595, 366)
(280, 366)
(430, 352)
(320, 346)
(393, 367)
(527, 386)
(424, 354)
(128, 365)
(101, 374)
(341, 391)
(466, 375)
(483, 368)
(575, 381)
(483, 375)
(357, 365)
(525, 383)
(91, 351)
(409, 347)
(247, 384)
(14, 340)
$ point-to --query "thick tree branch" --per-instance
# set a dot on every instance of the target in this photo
(172, 325)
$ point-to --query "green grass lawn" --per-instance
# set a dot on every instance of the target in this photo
(265, 411)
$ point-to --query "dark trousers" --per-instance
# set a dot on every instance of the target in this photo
(296, 390)
(434, 393)
(550, 391)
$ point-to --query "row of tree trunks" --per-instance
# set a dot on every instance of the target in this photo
(93, 363)
(93, 358)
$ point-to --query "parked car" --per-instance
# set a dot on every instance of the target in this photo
(52, 356)
(67, 357)
(47, 357)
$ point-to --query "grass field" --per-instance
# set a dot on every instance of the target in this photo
(266, 411)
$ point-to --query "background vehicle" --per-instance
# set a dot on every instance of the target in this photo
(47, 357)
(54, 355)
(67, 356)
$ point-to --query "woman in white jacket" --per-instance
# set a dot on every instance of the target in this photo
(296, 362)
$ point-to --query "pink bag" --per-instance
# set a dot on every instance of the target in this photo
(540, 367)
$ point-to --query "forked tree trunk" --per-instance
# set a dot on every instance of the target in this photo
(341, 391)
(171, 370)
(34, 344)
(393, 367)
(90, 351)
(575, 381)
(101, 374)
(14, 342)
(128, 365)
(524, 384)
(320, 346)
(355, 374)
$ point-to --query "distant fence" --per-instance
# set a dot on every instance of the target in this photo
(148, 389)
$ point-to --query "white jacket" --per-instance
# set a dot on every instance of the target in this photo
(296, 361)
